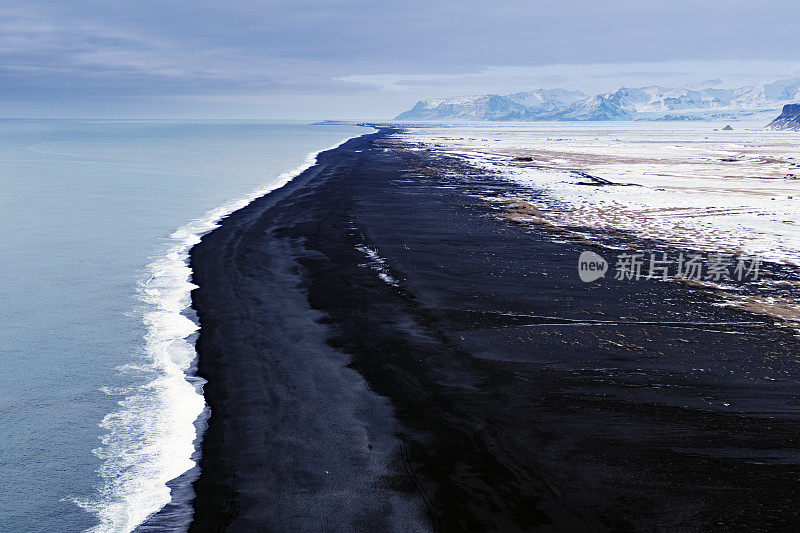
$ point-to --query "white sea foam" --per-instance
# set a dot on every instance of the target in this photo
(150, 439)
(378, 264)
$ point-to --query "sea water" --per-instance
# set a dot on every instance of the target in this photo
(98, 404)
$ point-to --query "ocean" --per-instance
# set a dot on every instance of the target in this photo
(98, 404)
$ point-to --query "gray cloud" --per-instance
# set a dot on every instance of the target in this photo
(295, 52)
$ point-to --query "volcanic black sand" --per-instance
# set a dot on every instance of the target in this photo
(383, 352)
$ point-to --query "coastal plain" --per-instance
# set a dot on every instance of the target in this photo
(387, 350)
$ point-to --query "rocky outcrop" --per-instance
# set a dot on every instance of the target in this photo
(788, 120)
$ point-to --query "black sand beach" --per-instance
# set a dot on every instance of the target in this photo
(384, 353)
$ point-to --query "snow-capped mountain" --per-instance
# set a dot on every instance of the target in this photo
(544, 102)
(486, 107)
(644, 103)
(516, 106)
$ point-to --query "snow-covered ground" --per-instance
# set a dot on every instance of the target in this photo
(729, 191)
(689, 186)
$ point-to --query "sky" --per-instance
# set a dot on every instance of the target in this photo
(359, 59)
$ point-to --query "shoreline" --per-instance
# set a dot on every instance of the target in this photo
(369, 428)
(171, 320)
(378, 271)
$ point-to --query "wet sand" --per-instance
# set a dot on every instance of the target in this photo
(385, 353)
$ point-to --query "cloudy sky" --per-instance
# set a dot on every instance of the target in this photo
(367, 58)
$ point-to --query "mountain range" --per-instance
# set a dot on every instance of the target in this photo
(644, 103)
